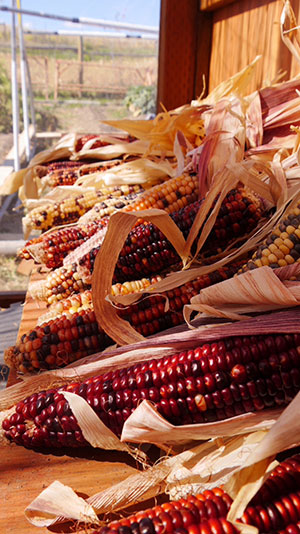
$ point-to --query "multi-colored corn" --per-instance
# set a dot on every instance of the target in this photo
(63, 282)
(51, 248)
(61, 173)
(54, 246)
(213, 382)
(280, 248)
(146, 250)
(170, 196)
(71, 209)
(63, 340)
(206, 512)
(83, 301)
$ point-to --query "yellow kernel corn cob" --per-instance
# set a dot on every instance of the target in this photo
(282, 246)
(71, 209)
(83, 301)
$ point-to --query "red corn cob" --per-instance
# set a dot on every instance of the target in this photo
(206, 513)
(63, 340)
(147, 251)
(210, 383)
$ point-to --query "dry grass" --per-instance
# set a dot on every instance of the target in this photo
(10, 278)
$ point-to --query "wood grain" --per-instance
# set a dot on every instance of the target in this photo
(25, 473)
(243, 30)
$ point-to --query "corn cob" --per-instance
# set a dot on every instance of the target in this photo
(213, 382)
(171, 196)
(70, 209)
(81, 141)
(206, 513)
(65, 281)
(56, 245)
(82, 301)
(280, 248)
(51, 248)
(67, 175)
(63, 340)
(146, 250)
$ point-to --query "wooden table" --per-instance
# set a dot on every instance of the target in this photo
(25, 473)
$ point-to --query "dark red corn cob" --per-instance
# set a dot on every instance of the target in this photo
(210, 383)
(147, 251)
(206, 513)
(56, 245)
(66, 339)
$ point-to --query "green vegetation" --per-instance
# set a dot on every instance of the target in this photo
(141, 100)
(5, 102)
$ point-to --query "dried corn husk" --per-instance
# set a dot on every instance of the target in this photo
(139, 171)
(202, 467)
(257, 291)
(24, 178)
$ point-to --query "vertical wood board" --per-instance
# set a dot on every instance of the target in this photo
(243, 30)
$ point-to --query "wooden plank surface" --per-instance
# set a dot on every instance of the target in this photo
(25, 473)
(243, 30)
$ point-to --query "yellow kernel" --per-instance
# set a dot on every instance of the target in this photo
(265, 260)
(290, 229)
(272, 258)
(266, 251)
(289, 243)
(277, 232)
(284, 249)
(284, 235)
(258, 263)
(289, 259)
(297, 232)
(278, 241)
(282, 263)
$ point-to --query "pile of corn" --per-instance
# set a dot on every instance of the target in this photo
(203, 384)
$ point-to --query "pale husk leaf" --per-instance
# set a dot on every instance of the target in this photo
(59, 501)
(14, 181)
(201, 467)
(236, 84)
(119, 226)
(139, 147)
(259, 290)
(138, 171)
(93, 430)
(146, 425)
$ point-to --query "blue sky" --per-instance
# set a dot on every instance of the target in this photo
(144, 12)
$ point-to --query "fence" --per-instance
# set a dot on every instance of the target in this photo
(54, 77)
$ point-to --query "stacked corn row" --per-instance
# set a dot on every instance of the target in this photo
(71, 209)
(215, 381)
(61, 173)
(71, 337)
(68, 172)
(274, 509)
(280, 248)
(53, 247)
(146, 250)
(170, 196)
(82, 301)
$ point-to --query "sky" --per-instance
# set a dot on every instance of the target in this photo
(143, 12)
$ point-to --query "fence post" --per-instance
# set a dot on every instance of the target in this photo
(80, 59)
(56, 79)
(46, 78)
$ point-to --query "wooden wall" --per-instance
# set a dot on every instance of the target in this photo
(217, 38)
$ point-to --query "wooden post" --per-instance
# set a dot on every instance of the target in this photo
(56, 79)
(183, 27)
(46, 78)
(80, 60)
